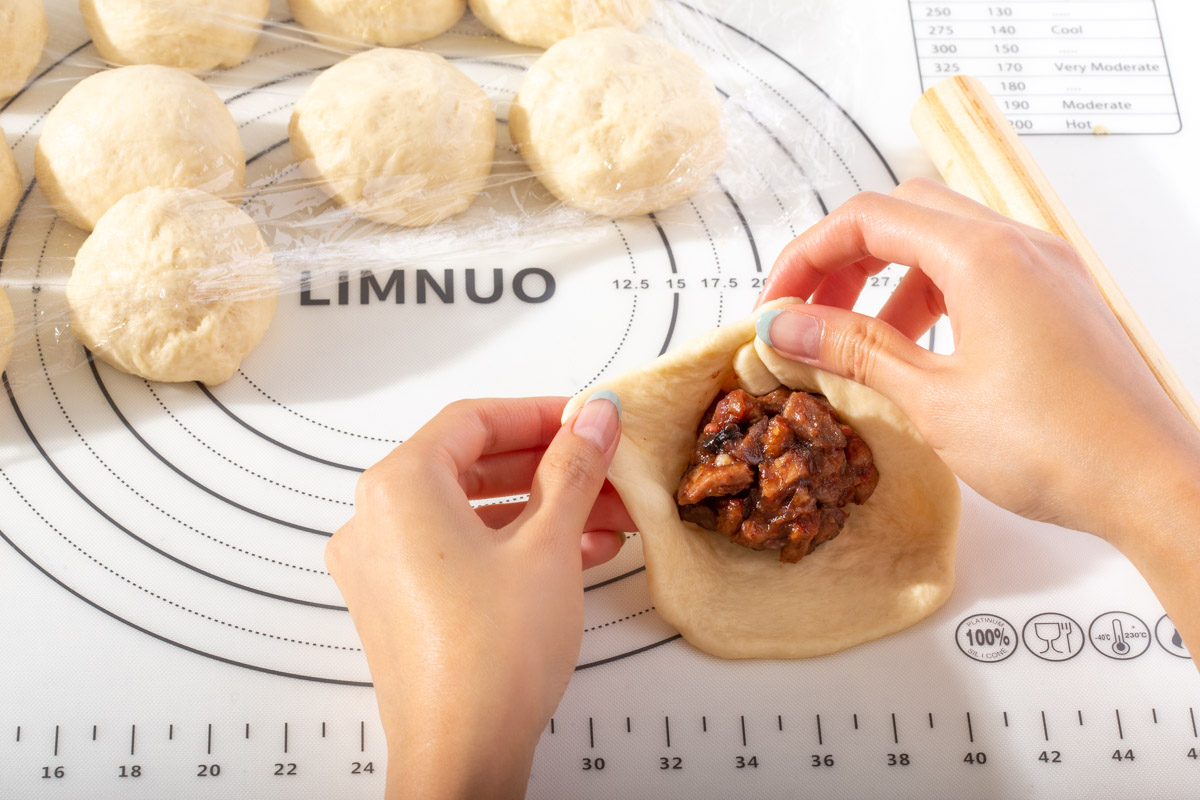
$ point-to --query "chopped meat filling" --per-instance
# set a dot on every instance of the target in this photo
(773, 472)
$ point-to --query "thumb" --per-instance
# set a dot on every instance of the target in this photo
(571, 472)
(855, 346)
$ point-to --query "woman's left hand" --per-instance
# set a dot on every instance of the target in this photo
(471, 618)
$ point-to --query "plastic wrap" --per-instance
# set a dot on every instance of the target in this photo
(777, 158)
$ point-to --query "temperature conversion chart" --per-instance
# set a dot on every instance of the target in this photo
(1088, 66)
(168, 628)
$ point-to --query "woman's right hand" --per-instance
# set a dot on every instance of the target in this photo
(1045, 407)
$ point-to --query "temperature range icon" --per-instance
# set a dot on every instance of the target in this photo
(986, 637)
(1053, 637)
(1120, 635)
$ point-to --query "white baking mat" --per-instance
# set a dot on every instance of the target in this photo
(165, 610)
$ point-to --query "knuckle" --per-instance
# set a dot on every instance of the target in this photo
(859, 348)
(1001, 237)
(572, 471)
(914, 188)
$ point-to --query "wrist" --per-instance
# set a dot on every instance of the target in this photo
(457, 746)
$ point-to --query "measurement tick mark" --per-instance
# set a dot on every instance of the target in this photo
(1120, 733)
(247, 730)
(1080, 713)
(895, 735)
(591, 734)
(779, 717)
(362, 736)
(93, 733)
(856, 722)
(1006, 719)
(970, 730)
(1045, 730)
(322, 730)
(132, 738)
(209, 749)
(704, 724)
(628, 726)
(18, 733)
(170, 732)
(56, 740)
(667, 721)
(552, 725)
(285, 737)
(743, 731)
(819, 741)
(1192, 711)
(930, 720)
(1154, 714)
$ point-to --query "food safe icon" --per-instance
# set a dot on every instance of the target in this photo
(1168, 636)
(1053, 637)
(986, 637)
(1119, 635)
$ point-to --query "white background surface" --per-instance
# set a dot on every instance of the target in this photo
(64, 664)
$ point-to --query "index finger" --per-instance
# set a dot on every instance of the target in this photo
(872, 226)
(467, 429)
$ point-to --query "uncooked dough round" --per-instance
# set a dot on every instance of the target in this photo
(541, 23)
(6, 331)
(392, 23)
(10, 181)
(400, 136)
(174, 284)
(617, 123)
(191, 34)
(891, 566)
(23, 33)
(124, 129)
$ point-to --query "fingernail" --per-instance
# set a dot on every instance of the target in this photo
(598, 422)
(791, 332)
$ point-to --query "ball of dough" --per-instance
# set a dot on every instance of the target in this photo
(10, 182)
(400, 136)
(23, 33)
(122, 130)
(6, 330)
(191, 34)
(541, 23)
(391, 23)
(617, 123)
(174, 284)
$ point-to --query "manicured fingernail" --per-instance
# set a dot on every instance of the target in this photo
(598, 422)
(792, 333)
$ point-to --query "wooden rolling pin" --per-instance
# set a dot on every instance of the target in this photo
(980, 155)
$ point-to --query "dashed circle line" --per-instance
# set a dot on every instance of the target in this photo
(159, 597)
(616, 621)
(716, 259)
(228, 460)
(632, 311)
(258, 389)
(103, 463)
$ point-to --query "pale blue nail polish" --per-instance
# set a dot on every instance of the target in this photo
(762, 328)
(605, 394)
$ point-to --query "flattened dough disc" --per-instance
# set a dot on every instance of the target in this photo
(892, 565)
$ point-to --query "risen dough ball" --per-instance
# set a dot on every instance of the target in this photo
(10, 181)
(6, 330)
(173, 285)
(400, 136)
(192, 34)
(23, 33)
(541, 23)
(387, 22)
(122, 130)
(617, 123)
